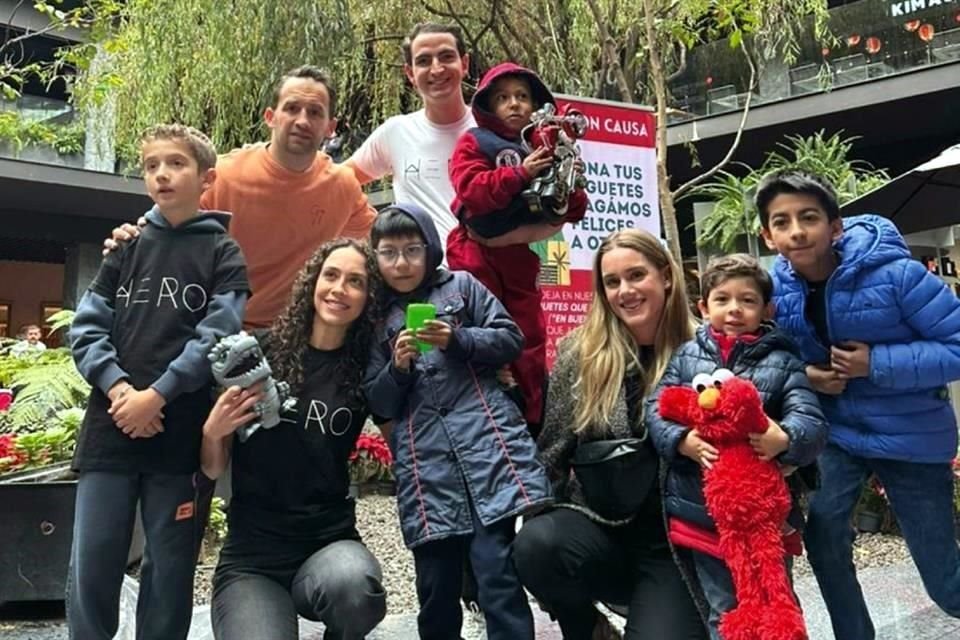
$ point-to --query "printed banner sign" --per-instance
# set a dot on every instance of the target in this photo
(620, 156)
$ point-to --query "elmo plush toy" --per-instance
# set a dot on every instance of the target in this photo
(748, 500)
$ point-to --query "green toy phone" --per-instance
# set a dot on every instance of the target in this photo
(417, 315)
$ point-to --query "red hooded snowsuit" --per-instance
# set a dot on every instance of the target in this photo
(487, 176)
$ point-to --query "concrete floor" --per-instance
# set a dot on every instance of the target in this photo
(900, 608)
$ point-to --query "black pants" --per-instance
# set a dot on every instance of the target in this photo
(439, 567)
(568, 562)
(174, 510)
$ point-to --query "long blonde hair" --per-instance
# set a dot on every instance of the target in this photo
(606, 349)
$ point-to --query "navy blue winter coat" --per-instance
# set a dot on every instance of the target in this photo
(879, 295)
(457, 438)
(771, 363)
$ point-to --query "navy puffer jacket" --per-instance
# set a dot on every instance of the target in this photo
(457, 438)
(772, 365)
(881, 296)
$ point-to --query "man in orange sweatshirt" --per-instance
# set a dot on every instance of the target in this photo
(287, 198)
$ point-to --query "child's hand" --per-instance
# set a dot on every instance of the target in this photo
(137, 413)
(118, 391)
(405, 350)
(851, 359)
(435, 332)
(826, 381)
(538, 160)
(233, 409)
(698, 449)
(505, 376)
(771, 443)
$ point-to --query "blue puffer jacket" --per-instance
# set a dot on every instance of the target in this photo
(772, 365)
(910, 319)
(457, 438)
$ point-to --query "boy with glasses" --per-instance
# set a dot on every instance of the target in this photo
(464, 463)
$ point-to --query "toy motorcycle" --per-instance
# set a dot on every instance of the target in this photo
(557, 131)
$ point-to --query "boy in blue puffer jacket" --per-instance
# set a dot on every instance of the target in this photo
(464, 462)
(736, 304)
(881, 338)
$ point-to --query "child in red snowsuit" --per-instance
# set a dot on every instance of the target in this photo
(489, 170)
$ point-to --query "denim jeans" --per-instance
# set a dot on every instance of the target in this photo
(174, 510)
(921, 496)
(439, 566)
(718, 587)
(339, 585)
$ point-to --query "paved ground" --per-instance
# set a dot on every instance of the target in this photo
(898, 604)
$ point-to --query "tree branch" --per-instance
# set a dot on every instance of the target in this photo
(383, 38)
(689, 184)
(610, 51)
(681, 68)
(494, 8)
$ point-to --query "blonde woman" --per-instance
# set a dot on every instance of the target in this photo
(606, 540)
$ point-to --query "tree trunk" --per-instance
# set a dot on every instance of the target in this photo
(668, 212)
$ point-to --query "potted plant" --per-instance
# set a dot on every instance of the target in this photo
(873, 514)
(37, 488)
(370, 466)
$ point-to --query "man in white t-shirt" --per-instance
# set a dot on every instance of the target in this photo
(416, 147)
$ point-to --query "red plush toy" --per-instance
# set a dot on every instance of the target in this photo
(748, 500)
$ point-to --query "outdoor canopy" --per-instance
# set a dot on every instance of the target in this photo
(924, 198)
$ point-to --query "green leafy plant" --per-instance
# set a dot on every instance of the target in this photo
(734, 214)
(45, 383)
(19, 132)
(217, 525)
(54, 444)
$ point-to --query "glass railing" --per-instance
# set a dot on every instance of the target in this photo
(40, 129)
(874, 39)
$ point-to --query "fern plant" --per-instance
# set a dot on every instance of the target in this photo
(734, 213)
(45, 383)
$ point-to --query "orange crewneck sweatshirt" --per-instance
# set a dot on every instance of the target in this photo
(280, 217)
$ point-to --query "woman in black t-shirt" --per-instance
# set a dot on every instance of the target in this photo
(292, 546)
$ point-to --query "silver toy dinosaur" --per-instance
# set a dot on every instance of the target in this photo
(238, 360)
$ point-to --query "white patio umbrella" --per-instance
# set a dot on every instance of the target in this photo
(927, 197)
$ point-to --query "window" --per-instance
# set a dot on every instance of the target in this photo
(47, 309)
(5, 320)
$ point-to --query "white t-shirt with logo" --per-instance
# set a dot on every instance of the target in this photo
(417, 153)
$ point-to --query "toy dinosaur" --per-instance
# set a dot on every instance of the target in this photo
(238, 360)
(748, 500)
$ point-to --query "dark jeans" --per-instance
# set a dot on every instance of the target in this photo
(257, 595)
(921, 496)
(439, 566)
(718, 587)
(174, 511)
(568, 562)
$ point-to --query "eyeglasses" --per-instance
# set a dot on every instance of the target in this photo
(412, 253)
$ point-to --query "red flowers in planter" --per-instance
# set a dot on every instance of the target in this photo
(11, 458)
(371, 459)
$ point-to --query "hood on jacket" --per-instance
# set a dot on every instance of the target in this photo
(868, 241)
(480, 104)
(203, 222)
(432, 273)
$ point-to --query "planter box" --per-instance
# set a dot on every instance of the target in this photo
(379, 488)
(36, 532)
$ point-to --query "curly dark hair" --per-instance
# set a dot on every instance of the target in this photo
(290, 334)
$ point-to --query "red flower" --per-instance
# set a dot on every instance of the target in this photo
(11, 458)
